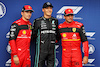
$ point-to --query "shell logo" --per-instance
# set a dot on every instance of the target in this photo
(64, 35)
(64, 49)
(24, 32)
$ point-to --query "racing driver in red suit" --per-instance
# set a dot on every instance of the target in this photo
(19, 41)
(72, 34)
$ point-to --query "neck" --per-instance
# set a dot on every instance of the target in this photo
(46, 16)
(68, 22)
(25, 19)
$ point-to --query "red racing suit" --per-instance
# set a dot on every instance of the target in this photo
(72, 34)
(19, 41)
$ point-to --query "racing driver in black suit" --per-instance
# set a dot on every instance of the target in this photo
(45, 29)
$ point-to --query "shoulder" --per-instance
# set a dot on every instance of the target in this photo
(78, 24)
(18, 22)
(37, 19)
(60, 25)
(54, 18)
(15, 24)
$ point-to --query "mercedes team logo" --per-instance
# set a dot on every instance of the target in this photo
(2, 9)
(91, 49)
(8, 48)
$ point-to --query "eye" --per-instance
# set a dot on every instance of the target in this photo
(71, 14)
(30, 11)
(26, 11)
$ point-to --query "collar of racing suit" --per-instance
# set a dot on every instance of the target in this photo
(46, 18)
(69, 23)
(27, 22)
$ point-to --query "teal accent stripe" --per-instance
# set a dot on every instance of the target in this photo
(35, 56)
(37, 49)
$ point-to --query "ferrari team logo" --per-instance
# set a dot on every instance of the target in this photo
(74, 29)
(69, 10)
(24, 32)
(29, 7)
(64, 35)
(30, 27)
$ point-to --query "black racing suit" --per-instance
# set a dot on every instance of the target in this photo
(46, 32)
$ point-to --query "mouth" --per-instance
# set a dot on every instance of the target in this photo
(28, 16)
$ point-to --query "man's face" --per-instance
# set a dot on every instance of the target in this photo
(69, 18)
(26, 14)
(47, 11)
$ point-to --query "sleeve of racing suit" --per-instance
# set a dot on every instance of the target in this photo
(34, 29)
(84, 40)
(58, 37)
(13, 35)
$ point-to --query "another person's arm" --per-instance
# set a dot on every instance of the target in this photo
(58, 36)
(34, 29)
(85, 44)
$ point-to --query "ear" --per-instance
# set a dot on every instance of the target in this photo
(64, 17)
(21, 13)
(42, 9)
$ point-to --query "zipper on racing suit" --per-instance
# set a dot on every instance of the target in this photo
(49, 35)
